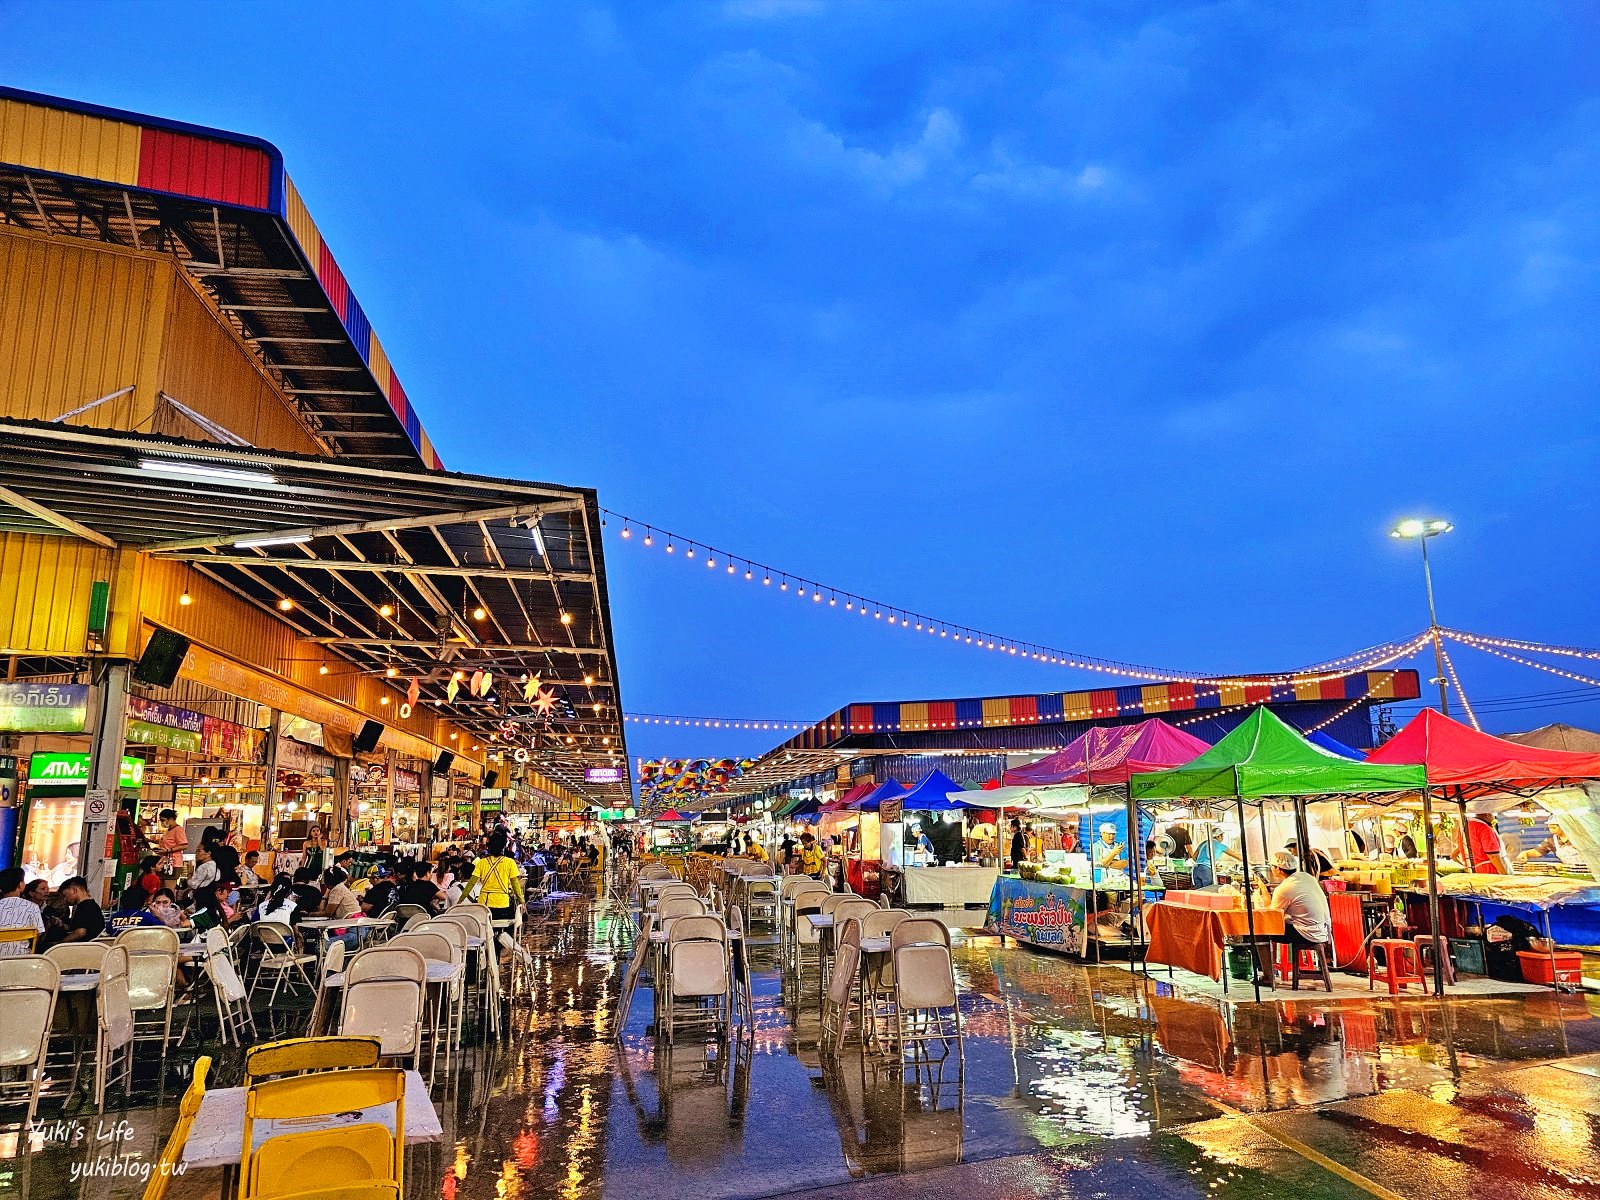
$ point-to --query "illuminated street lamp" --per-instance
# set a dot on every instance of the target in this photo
(1421, 531)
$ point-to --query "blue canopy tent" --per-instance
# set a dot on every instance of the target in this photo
(932, 795)
(1333, 745)
(889, 789)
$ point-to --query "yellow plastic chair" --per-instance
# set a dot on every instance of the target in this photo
(296, 1056)
(368, 1151)
(166, 1166)
(23, 935)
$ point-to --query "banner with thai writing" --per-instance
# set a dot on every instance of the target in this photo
(43, 707)
(1041, 914)
(152, 723)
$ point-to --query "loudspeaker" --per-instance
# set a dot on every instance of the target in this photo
(441, 765)
(491, 778)
(163, 655)
(366, 740)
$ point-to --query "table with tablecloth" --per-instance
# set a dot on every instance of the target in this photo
(948, 887)
(1182, 935)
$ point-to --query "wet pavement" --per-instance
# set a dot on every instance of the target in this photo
(1076, 1081)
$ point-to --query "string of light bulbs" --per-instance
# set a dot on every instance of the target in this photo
(1455, 682)
(1528, 662)
(714, 722)
(1479, 640)
(910, 620)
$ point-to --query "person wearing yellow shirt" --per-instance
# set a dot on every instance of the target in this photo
(495, 882)
(758, 851)
(811, 857)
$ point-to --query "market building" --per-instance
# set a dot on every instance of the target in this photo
(235, 579)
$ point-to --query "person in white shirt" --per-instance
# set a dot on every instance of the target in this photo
(17, 913)
(1307, 920)
(205, 871)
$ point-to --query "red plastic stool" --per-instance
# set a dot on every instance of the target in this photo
(1401, 965)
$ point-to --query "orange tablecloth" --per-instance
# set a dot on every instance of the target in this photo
(1192, 938)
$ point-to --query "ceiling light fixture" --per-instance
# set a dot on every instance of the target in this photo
(161, 466)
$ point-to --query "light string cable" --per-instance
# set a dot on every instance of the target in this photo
(909, 619)
(1487, 648)
(1455, 682)
(1480, 640)
(638, 718)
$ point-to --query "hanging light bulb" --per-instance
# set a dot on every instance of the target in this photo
(479, 613)
(566, 618)
(391, 672)
(588, 681)
(626, 532)
(384, 700)
(669, 547)
(649, 540)
(323, 669)
(386, 609)
(285, 604)
(185, 599)
(690, 551)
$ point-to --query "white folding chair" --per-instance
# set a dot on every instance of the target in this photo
(927, 1001)
(331, 978)
(697, 973)
(152, 973)
(281, 959)
(437, 948)
(113, 1026)
(29, 987)
(384, 992)
(227, 989)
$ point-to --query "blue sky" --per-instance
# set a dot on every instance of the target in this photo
(1126, 328)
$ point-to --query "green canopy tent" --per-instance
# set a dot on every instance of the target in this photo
(1264, 759)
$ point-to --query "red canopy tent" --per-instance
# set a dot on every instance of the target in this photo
(1108, 754)
(849, 798)
(1470, 763)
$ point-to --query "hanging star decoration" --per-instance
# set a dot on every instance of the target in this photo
(544, 701)
(531, 688)
(452, 689)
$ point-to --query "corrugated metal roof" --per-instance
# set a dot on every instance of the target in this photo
(225, 201)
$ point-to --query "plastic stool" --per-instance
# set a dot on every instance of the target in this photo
(1428, 945)
(1321, 956)
(1400, 965)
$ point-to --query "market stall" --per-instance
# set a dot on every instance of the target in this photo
(1260, 762)
(1480, 773)
(929, 839)
(1078, 893)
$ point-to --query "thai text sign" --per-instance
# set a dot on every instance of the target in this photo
(43, 707)
(70, 772)
(1040, 914)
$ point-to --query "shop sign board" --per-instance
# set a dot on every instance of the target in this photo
(613, 814)
(890, 811)
(70, 772)
(407, 781)
(43, 707)
(602, 775)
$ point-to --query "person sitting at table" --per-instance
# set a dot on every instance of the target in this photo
(164, 904)
(416, 888)
(133, 911)
(308, 895)
(85, 920)
(210, 911)
(205, 871)
(1307, 919)
(338, 900)
(282, 904)
(149, 878)
(379, 897)
(17, 912)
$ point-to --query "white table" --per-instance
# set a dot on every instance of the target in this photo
(658, 937)
(438, 972)
(217, 1136)
(949, 887)
(80, 981)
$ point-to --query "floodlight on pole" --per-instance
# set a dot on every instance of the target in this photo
(1421, 530)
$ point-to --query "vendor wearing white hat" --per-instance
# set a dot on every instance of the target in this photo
(1307, 920)
(1110, 854)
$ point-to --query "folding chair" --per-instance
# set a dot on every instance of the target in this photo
(152, 973)
(298, 1056)
(364, 1152)
(167, 1165)
(113, 1026)
(384, 990)
(29, 987)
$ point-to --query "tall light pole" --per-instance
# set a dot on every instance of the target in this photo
(1422, 531)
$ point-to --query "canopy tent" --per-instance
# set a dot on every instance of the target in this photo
(1109, 754)
(1264, 758)
(933, 794)
(1471, 763)
(1021, 796)
(1559, 737)
(1333, 745)
(670, 815)
(889, 789)
(848, 798)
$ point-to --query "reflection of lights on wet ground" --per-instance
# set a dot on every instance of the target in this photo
(1084, 1086)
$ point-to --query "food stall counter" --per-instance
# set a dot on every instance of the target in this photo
(951, 887)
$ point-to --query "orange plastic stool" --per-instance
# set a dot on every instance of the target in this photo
(1401, 965)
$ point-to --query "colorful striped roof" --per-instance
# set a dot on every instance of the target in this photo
(86, 142)
(1101, 704)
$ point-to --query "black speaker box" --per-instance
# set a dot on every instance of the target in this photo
(163, 655)
(491, 778)
(441, 765)
(366, 739)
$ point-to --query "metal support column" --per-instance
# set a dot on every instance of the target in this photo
(107, 736)
(1441, 946)
(269, 792)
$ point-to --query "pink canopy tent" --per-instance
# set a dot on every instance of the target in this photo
(848, 798)
(1108, 754)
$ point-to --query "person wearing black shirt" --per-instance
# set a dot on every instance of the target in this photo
(1018, 844)
(379, 897)
(416, 888)
(85, 922)
(308, 896)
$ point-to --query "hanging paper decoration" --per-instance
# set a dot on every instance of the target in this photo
(530, 688)
(452, 690)
(412, 692)
(544, 700)
(679, 778)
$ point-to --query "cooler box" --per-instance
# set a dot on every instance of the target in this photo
(1537, 966)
